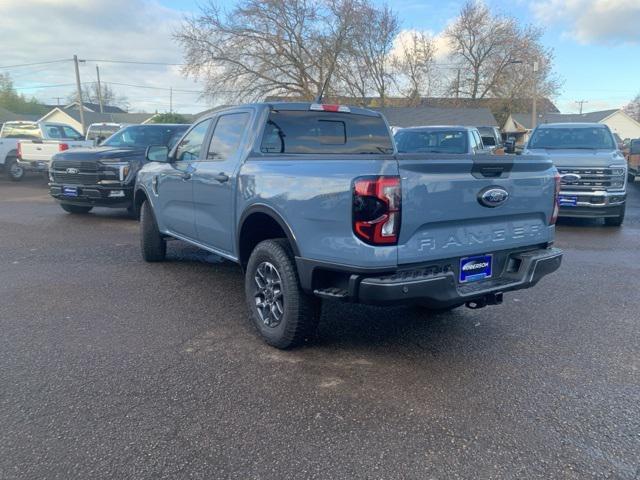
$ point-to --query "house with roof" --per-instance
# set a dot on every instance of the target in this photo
(431, 116)
(518, 125)
(71, 117)
(89, 107)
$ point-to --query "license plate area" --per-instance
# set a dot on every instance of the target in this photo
(70, 191)
(568, 200)
(476, 268)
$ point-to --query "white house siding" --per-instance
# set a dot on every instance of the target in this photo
(623, 125)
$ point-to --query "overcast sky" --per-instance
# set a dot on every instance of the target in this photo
(596, 42)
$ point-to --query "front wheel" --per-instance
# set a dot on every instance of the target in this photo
(67, 207)
(14, 170)
(152, 244)
(282, 313)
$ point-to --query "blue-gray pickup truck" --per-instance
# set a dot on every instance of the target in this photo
(314, 202)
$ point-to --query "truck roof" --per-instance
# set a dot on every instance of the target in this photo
(573, 125)
(438, 127)
(297, 106)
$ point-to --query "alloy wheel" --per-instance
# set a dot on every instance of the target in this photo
(268, 296)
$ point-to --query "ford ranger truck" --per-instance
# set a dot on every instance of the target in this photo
(593, 170)
(104, 176)
(314, 202)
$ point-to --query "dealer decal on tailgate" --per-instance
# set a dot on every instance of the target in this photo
(475, 268)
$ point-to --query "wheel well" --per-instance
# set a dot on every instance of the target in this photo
(257, 227)
(138, 199)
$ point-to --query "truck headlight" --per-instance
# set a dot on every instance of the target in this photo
(617, 172)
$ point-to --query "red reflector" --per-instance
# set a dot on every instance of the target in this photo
(63, 146)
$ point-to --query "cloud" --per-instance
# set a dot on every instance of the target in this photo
(136, 30)
(593, 21)
(404, 38)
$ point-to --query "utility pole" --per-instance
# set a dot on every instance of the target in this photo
(80, 106)
(170, 99)
(534, 107)
(458, 85)
(99, 89)
(581, 102)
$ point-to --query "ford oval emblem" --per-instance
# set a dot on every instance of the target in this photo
(493, 197)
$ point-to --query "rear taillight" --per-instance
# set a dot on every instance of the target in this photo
(63, 146)
(556, 199)
(19, 154)
(376, 209)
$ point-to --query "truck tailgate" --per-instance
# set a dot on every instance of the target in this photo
(443, 216)
(43, 151)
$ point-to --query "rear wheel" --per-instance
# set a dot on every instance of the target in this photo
(615, 221)
(67, 207)
(152, 244)
(282, 313)
(14, 170)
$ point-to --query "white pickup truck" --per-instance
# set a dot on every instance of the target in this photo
(26, 146)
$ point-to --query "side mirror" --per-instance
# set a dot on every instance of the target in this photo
(157, 153)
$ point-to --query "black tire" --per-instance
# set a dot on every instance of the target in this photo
(298, 312)
(631, 177)
(615, 221)
(14, 171)
(67, 207)
(152, 244)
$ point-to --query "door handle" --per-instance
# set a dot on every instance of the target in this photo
(221, 177)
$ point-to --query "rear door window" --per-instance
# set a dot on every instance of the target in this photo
(308, 132)
(227, 135)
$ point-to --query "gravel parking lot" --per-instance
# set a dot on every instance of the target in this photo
(113, 368)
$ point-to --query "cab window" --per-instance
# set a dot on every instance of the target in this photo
(189, 148)
(226, 137)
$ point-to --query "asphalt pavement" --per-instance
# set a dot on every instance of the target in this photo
(114, 368)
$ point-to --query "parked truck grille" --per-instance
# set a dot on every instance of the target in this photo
(592, 179)
(80, 173)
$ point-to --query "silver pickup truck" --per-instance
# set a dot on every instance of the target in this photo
(593, 170)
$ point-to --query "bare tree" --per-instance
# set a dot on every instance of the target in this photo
(375, 33)
(267, 47)
(487, 47)
(414, 65)
(633, 108)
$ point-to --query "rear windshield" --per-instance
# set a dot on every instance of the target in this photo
(21, 130)
(101, 131)
(325, 132)
(432, 141)
(488, 135)
(141, 136)
(590, 138)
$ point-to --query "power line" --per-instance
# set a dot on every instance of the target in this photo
(35, 87)
(35, 63)
(134, 62)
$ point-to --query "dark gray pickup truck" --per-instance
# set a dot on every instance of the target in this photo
(314, 202)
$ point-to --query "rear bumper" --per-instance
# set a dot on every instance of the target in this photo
(34, 166)
(95, 195)
(436, 285)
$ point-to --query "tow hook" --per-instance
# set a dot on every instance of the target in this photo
(490, 299)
